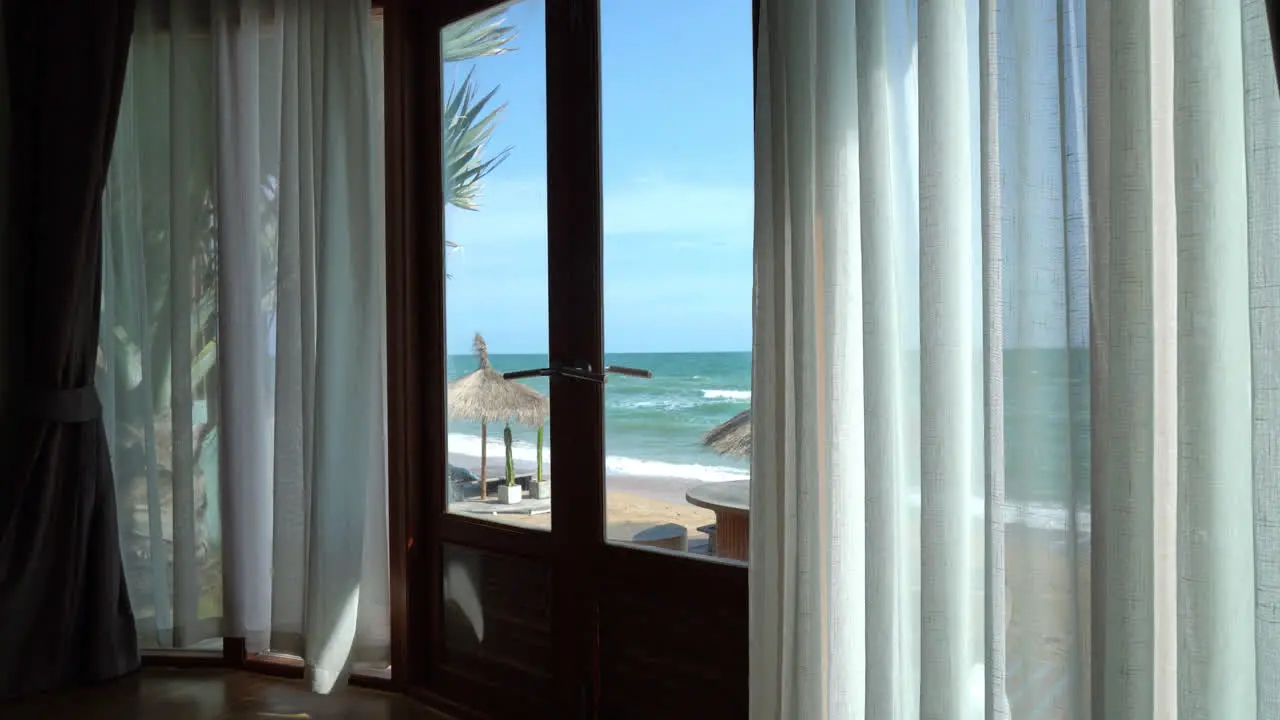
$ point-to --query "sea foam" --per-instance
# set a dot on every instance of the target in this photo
(526, 454)
(740, 395)
(1036, 515)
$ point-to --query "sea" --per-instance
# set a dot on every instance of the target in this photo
(654, 427)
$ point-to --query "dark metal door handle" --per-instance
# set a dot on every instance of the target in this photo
(633, 372)
(577, 371)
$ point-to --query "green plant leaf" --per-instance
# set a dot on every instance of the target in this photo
(129, 355)
(468, 126)
(203, 363)
(481, 35)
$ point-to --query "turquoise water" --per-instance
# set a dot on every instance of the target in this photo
(654, 427)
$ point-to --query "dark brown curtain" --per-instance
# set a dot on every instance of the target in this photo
(65, 617)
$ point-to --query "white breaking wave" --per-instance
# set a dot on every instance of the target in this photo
(743, 395)
(667, 404)
(525, 454)
(1037, 515)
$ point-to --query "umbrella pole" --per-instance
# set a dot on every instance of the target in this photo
(484, 448)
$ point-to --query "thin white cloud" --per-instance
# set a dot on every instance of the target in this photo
(513, 211)
(673, 207)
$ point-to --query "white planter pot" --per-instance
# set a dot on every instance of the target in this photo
(540, 490)
(509, 494)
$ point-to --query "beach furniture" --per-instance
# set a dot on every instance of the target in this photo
(459, 479)
(669, 536)
(485, 396)
(710, 531)
(731, 502)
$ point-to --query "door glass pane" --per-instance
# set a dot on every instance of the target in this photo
(678, 220)
(495, 226)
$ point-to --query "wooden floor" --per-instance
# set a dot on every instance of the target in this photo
(164, 694)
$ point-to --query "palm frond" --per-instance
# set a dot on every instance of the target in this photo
(205, 315)
(202, 364)
(481, 35)
(467, 129)
(128, 356)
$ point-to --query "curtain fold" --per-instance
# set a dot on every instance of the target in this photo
(1217, 659)
(1262, 163)
(64, 610)
(1272, 10)
(1015, 361)
(949, 314)
(247, 283)
(1134, 355)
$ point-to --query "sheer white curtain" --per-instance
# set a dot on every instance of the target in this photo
(243, 330)
(1017, 441)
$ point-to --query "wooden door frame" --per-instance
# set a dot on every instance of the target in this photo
(588, 574)
(414, 307)
(417, 364)
(575, 271)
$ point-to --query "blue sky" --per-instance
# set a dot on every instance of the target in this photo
(678, 183)
(678, 164)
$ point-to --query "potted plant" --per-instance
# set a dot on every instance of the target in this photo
(540, 488)
(511, 493)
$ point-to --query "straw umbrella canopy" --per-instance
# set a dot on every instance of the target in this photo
(731, 437)
(484, 396)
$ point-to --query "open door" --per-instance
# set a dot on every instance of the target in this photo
(497, 620)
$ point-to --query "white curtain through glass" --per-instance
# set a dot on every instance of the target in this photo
(1017, 360)
(242, 348)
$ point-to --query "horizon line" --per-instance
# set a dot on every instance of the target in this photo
(625, 352)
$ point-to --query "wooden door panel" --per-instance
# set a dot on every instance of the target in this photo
(673, 636)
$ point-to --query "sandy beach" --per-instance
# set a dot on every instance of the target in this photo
(630, 499)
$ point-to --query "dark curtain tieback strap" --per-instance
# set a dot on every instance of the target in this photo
(76, 405)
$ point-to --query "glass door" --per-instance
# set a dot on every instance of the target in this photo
(468, 274)
(497, 364)
(677, 177)
(649, 269)
(545, 577)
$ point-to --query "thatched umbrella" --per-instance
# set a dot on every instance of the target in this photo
(484, 396)
(731, 437)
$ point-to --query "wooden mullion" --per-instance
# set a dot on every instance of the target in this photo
(417, 427)
(575, 268)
